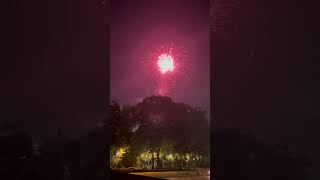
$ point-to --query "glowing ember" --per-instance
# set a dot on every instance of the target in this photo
(165, 63)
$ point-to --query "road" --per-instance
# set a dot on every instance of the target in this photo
(174, 175)
(191, 178)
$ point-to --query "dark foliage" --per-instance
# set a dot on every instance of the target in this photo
(160, 122)
(236, 156)
(57, 158)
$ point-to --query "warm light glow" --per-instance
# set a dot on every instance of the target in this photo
(121, 152)
(165, 63)
(170, 157)
(145, 156)
(187, 157)
(119, 155)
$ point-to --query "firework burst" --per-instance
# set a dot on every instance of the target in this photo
(168, 65)
(165, 63)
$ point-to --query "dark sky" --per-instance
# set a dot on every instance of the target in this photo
(53, 74)
(53, 70)
(265, 54)
(139, 27)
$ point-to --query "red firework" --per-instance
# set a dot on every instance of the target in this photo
(168, 64)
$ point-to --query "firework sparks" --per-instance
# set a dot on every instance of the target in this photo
(170, 62)
(165, 63)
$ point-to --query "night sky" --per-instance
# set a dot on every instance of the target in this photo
(53, 74)
(53, 70)
(264, 73)
(138, 28)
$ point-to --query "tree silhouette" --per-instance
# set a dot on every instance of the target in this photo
(16, 152)
(158, 122)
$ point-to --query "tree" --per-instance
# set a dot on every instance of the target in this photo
(16, 152)
(155, 122)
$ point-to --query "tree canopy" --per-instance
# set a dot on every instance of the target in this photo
(161, 127)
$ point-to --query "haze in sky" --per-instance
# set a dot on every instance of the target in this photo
(143, 30)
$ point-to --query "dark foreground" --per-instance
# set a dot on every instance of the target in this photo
(192, 175)
(130, 176)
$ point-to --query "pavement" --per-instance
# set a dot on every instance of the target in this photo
(191, 178)
(173, 175)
